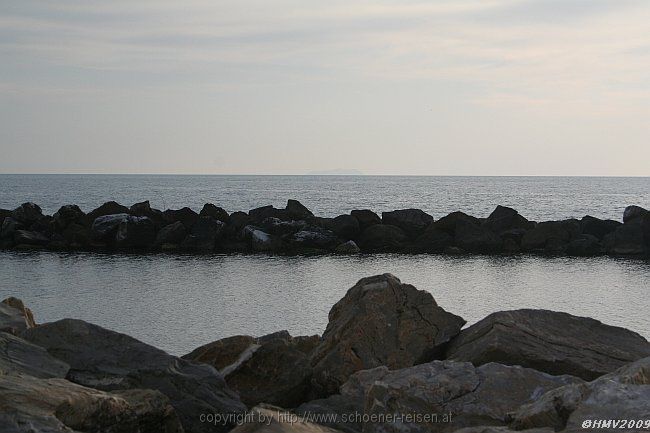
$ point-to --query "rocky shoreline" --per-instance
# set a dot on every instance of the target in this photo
(390, 360)
(296, 230)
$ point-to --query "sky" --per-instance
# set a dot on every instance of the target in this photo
(439, 87)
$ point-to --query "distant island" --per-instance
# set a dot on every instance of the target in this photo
(336, 172)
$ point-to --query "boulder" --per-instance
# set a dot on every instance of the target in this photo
(610, 399)
(504, 218)
(210, 210)
(269, 419)
(453, 395)
(349, 247)
(597, 227)
(30, 404)
(204, 235)
(550, 234)
(15, 317)
(412, 221)
(633, 212)
(67, 215)
(108, 208)
(366, 218)
(476, 239)
(27, 213)
(27, 237)
(77, 235)
(4, 213)
(171, 234)
(259, 214)
(448, 223)
(9, 228)
(273, 369)
(312, 238)
(279, 227)
(584, 245)
(185, 215)
(433, 240)
(383, 238)
(144, 209)
(380, 321)
(554, 342)
(628, 239)
(260, 241)
(135, 232)
(345, 226)
(297, 210)
(239, 220)
(104, 228)
(108, 361)
(18, 356)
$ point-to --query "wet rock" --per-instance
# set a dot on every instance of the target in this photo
(26, 237)
(135, 232)
(297, 210)
(597, 227)
(349, 247)
(108, 361)
(554, 342)
(621, 395)
(476, 239)
(27, 213)
(412, 221)
(269, 419)
(215, 212)
(108, 208)
(633, 212)
(380, 321)
(459, 394)
(185, 215)
(504, 218)
(171, 234)
(18, 356)
(104, 228)
(30, 404)
(205, 233)
(67, 215)
(383, 238)
(584, 245)
(366, 218)
(15, 317)
(345, 226)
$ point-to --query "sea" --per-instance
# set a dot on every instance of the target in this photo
(177, 302)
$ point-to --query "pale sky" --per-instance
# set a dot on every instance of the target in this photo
(439, 87)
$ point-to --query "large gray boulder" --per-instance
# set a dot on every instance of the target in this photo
(550, 341)
(105, 227)
(453, 395)
(380, 321)
(15, 317)
(412, 221)
(610, 399)
(18, 356)
(107, 360)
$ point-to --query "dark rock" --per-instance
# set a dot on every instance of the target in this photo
(621, 395)
(597, 227)
(4, 213)
(460, 394)
(67, 215)
(135, 232)
(628, 239)
(215, 212)
(380, 321)
(476, 239)
(15, 317)
(25, 237)
(349, 247)
(9, 227)
(366, 218)
(18, 356)
(204, 235)
(43, 225)
(27, 213)
(260, 241)
(548, 234)
(345, 226)
(226, 354)
(297, 210)
(412, 221)
(144, 209)
(108, 208)
(448, 223)
(584, 245)
(278, 227)
(259, 214)
(34, 405)
(239, 220)
(108, 361)
(381, 237)
(104, 228)
(185, 215)
(433, 240)
(554, 342)
(78, 235)
(271, 419)
(171, 234)
(632, 212)
(313, 238)
(505, 218)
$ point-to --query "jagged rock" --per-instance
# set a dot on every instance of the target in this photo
(205, 233)
(108, 360)
(269, 419)
(349, 247)
(185, 215)
(297, 210)
(18, 356)
(584, 245)
(31, 405)
(476, 239)
(597, 227)
(381, 237)
(15, 317)
(27, 213)
(366, 218)
(108, 208)
(67, 215)
(345, 226)
(380, 321)
(171, 234)
(412, 221)
(135, 232)
(459, 394)
(273, 369)
(550, 234)
(504, 218)
(26, 237)
(550, 341)
(215, 212)
(105, 227)
(632, 212)
(621, 395)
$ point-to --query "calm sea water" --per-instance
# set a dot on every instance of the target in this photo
(178, 302)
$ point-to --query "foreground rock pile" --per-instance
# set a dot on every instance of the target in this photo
(390, 360)
(295, 230)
